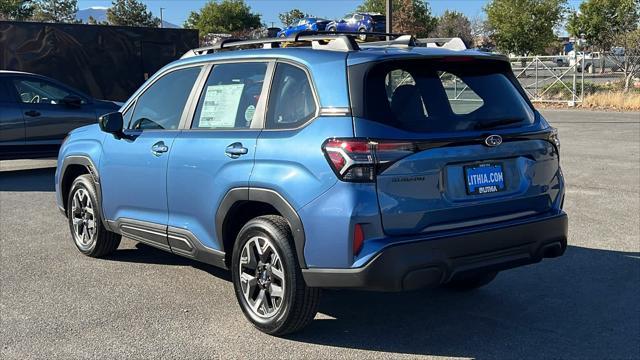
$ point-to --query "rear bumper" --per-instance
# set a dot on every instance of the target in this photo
(425, 263)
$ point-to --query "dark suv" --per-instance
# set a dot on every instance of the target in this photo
(387, 167)
(37, 113)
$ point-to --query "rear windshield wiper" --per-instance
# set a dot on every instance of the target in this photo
(496, 123)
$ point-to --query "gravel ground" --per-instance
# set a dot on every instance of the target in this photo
(143, 303)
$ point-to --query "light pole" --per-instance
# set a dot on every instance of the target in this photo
(161, 19)
(389, 12)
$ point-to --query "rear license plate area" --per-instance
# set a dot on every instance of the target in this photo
(484, 178)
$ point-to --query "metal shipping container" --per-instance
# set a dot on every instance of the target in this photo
(107, 62)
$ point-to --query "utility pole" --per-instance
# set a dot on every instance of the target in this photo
(161, 19)
(389, 12)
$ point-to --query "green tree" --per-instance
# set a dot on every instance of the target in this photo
(93, 21)
(16, 9)
(629, 63)
(602, 22)
(131, 13)
(226, 16)
(454, 24)
(524, 27)
(292, 16)
(58, 11)
(409, 16)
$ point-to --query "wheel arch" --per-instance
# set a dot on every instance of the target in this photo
(72, 167)
(240, 205)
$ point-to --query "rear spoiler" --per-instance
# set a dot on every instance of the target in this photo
(454, 43)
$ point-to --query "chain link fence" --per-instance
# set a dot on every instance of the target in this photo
(568, 78)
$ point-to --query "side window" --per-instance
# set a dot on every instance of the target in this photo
(230, 96)
(35, 91)
(358, 17)
(291, 101)
(302, 22)
(161, 105)
(462, 99)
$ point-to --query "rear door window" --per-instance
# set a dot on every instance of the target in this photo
(439, 96)
(230, 97)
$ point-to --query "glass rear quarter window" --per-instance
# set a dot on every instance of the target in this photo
(291, 101)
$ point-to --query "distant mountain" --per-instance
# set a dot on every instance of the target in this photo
(100, 14)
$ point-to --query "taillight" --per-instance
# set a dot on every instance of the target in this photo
(360, 160)
(553, 137)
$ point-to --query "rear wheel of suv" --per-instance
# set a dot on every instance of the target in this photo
(85, 222)
(267, 278)
(471, 281)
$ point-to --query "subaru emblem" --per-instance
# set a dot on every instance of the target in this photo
(493, 140)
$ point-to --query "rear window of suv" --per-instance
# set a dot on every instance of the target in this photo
(439, 95)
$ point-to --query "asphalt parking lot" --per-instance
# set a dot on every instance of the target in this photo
(143, 303)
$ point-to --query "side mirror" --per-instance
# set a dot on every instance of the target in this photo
(72, 101)
(112, 123)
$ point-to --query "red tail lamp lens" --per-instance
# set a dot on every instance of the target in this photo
(359, 160)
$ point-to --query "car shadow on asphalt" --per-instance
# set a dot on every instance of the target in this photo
(145, 254)
(582, 305)
(41, 179)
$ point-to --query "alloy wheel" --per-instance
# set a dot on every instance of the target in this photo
(262, 277)
(83, 219)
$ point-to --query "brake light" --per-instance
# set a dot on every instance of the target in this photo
(456, 59)
(360, 160)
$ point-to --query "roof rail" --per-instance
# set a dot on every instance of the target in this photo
(454, 43)
(324, 40)
(318, 39)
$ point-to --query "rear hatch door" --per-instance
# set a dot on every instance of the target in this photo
(457, 144)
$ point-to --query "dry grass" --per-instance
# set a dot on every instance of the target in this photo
(613, 100)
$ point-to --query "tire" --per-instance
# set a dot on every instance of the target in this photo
(362, 37)
(85, 220)
(471, 281)
(332, 29)
(283, 35)
(277, 272)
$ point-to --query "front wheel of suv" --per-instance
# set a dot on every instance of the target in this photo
(267, 278)
(85, 222)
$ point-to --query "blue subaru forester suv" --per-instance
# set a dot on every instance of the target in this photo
(386, 166)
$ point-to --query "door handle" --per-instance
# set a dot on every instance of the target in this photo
(235, 150)
(32, 113)
(158, 148)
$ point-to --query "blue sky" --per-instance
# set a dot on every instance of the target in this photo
(176, 11)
